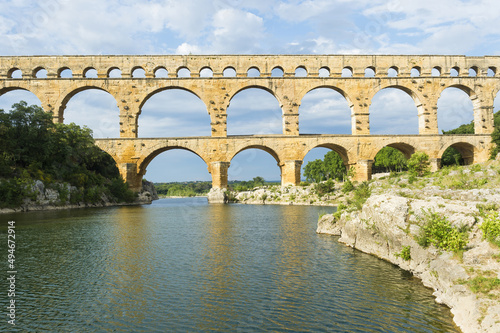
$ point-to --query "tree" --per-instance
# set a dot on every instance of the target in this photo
(333, 166)
(419, 164)
(389, 159)
(313, 171)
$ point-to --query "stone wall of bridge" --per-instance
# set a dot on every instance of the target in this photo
(422, 77)
(133, 155)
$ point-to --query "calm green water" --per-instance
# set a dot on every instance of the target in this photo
(181, 265)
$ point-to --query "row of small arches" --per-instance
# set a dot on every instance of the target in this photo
(301, 71)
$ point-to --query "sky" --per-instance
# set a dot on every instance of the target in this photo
(90, 27)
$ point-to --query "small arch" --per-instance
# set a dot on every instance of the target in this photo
(454, 71)
(436, 71)
(15, 73)
(40, 73)
(90, 73)
(465, 149)
(277, 72)
(473, 71)
(415, 71)
(229, 72)
(324, 72)
(64, 72)
(183, 72)
(492, 71)
(393, 72)
(138, 72)
(301, 71)
(206, 72)
(347, 72)
(370, 71)
(253, 72)
(161, 72)
(114, 72)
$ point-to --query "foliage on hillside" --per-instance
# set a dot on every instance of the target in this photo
(34, 148)
(389, 159)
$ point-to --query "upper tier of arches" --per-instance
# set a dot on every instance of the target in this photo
(245, 66)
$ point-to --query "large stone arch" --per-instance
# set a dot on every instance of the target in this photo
(144, 162)
(479, 114)
(146, 96)
(71, 92)
(343, 152)
(262, 147)
(466, 149)
(255, 86)
(415, 95)
(406, 148)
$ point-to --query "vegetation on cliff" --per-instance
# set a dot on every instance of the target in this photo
(34, 148)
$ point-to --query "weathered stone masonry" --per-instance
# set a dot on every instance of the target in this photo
(132, 155)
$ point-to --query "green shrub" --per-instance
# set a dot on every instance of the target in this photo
(405, 253)
(361, 194)
(439, 232)
(419, 164)
(347, 187)
(325, 187)
(491, 227)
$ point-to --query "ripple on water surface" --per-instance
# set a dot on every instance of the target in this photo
(184, 265)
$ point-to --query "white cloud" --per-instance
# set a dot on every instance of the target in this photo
(186, 48)
(237, 31)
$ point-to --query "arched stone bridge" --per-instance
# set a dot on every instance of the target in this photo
(208, 77)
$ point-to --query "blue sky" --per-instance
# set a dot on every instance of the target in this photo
(62, 27)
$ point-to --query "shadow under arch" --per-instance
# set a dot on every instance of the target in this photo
(465, 149)
(148, 159)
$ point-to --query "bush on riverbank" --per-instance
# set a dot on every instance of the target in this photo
(34, 148)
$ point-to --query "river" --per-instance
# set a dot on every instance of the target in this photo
(182, 265)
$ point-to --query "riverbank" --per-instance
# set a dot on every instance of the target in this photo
(59, 197)
(433, 227)
(278, 195)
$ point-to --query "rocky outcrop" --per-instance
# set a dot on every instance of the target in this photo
(61, 196)
(148, 192)
(391, 222)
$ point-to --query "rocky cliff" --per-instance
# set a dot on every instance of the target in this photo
(62, 196)
(397, 221)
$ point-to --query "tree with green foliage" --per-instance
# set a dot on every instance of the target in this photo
(34, 148)
(389, 159)
(419, 164)
(331, 167)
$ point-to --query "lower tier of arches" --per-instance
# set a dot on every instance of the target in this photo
(133, 155)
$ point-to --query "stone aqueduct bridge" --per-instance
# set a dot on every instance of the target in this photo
(415, 75)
